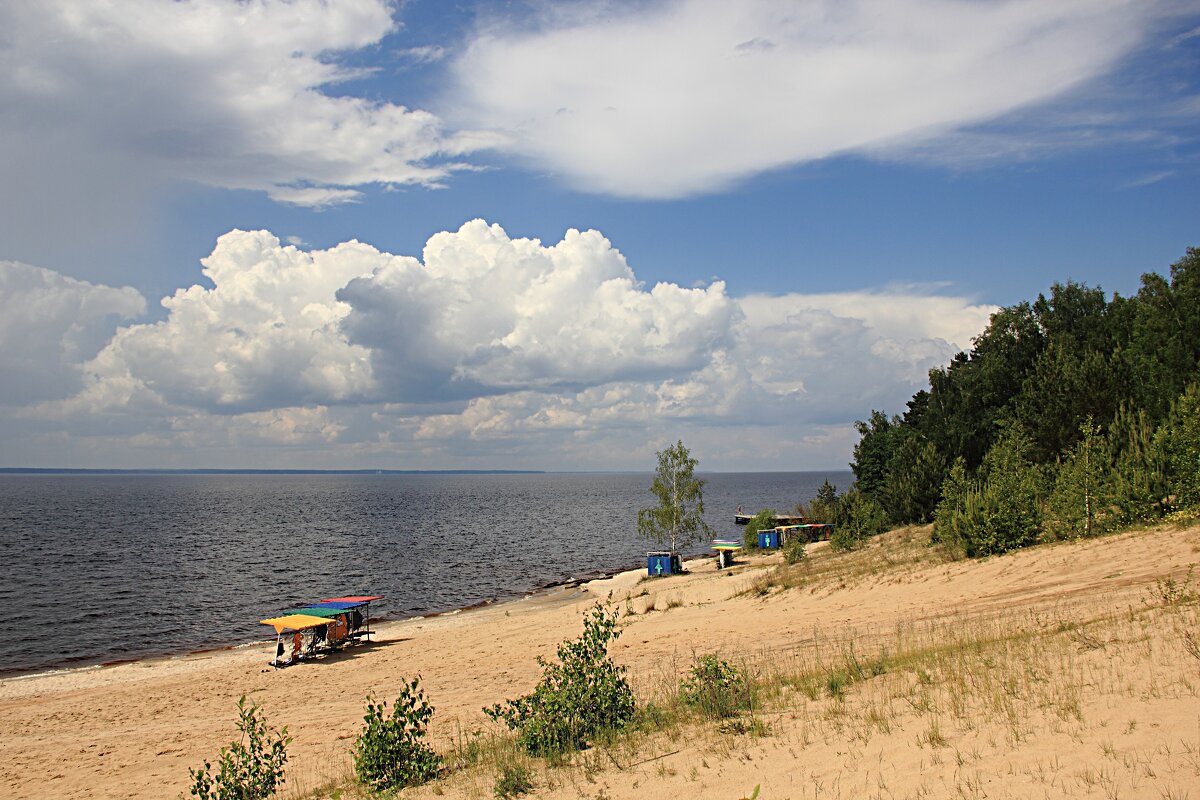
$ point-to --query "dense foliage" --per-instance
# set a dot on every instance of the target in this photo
(678, 519)
(580, 696)
(716, 688)
(1071, 415)
(763, 520)
(390, 752)
(248, 769)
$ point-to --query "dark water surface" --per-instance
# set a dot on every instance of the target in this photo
(104, 567)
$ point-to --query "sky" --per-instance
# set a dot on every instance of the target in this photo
(554, 235)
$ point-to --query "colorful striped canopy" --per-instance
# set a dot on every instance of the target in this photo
(317, 611)
(353, 599)
(294, 622)
(342, 606)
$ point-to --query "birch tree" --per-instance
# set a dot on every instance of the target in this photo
(678, 519)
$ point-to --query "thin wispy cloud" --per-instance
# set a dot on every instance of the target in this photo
(672, 99)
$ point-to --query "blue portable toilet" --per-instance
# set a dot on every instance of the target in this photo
(662, 562)
(768, 539)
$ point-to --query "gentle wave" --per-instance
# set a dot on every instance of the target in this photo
(100, 568)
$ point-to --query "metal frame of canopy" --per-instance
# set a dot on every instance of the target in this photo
(291, 622)
(335, 616)
(354, 601)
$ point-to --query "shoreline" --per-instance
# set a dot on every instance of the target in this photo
(19, 674)
(133, 730)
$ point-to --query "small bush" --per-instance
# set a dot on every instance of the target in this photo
(997, 512)
(390, 753)
(793, 550)
(514, 780)
(582, 695)
(844, 538)
(715, 687)
(249, 769)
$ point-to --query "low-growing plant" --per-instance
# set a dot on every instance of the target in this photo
(248, 769)
(513, 780)
(716, 688)
(793, 550)
(580, 696)
(389, 752)
(844, 539)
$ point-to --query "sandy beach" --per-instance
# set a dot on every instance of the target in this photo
(1085, 688)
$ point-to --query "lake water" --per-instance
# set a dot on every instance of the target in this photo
(96, 568)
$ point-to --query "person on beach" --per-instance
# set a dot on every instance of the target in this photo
(297, 641)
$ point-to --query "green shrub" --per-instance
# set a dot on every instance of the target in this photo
(844, 538)
(1179, 440)
(716, 688)
(580, 696)
(514, 780)
(763, 520)
(793, 550)
(824, 507)
(999, 513)
(390, 753)
(249, 769)
(858, 516)
(1139, 476)
(1080, 500)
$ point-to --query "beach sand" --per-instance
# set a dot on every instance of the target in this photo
(1116, 714)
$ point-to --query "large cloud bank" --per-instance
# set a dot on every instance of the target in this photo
(666, 99)
(645, 99)
(230, 94)
(488, 350)
(50, 325)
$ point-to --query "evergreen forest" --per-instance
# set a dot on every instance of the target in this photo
(1074, 415)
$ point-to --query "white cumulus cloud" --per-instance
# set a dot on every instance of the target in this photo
(489, 350)
(673, 98)
(486, 313)
(267, 335)
(50, 325)
(230, 94)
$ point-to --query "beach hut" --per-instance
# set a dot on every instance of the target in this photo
(787, 532)
(816, 531)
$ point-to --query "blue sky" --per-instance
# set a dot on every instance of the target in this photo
(798, 208)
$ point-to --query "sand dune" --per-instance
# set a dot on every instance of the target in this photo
(1071, 677)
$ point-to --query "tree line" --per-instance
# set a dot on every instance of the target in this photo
(1070, 416)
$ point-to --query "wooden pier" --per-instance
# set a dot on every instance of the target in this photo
(780, 519)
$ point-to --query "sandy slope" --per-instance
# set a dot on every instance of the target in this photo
(1109, 710)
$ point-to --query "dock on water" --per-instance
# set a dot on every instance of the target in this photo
(780, 519)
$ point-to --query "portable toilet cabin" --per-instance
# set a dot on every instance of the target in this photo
(769, 539)
(663, 562)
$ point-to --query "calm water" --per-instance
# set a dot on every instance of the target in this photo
(106, 567)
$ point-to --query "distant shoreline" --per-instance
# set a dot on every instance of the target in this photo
(215, 471)
(83, 471)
